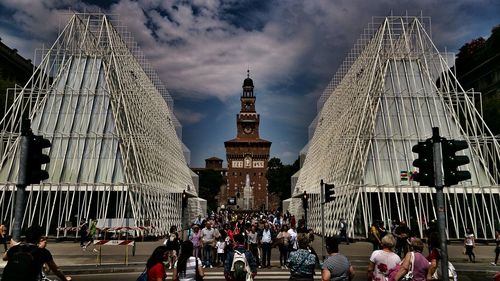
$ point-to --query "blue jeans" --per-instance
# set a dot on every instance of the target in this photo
(207, 254)
(266, 254)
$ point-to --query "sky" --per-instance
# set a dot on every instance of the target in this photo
(202, 49)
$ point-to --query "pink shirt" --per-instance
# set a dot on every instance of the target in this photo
(195, 238)
(420, 267)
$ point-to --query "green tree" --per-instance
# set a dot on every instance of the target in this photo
(279, 177)
(210, 183)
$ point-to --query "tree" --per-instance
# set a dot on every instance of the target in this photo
(279, 177)
(210, 183)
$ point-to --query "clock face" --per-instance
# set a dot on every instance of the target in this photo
(247, 129)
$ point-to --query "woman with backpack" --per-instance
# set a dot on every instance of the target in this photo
(302, 262)
(155, 269)
(187, 266)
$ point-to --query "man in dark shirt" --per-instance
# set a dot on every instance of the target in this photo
(37, 257)
(402, 234)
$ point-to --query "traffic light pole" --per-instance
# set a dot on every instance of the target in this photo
(22, 180)
(322, 201)
(439, 184)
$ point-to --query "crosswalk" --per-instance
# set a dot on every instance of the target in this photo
(273, 274)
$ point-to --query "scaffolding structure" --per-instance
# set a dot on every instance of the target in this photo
(390, 91)
(115, 152)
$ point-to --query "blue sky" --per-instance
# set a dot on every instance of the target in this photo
(202, 49)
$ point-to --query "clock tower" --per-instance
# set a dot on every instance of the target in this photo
(247, 156)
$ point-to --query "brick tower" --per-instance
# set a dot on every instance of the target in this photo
(247, 156)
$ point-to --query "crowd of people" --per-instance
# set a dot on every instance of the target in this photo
(263, 232)
(241, 243)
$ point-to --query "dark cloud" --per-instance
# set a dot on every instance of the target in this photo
(203, 48)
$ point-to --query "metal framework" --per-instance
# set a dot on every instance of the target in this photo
(115, 152)
(391, 90)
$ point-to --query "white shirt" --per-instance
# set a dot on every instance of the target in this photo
(293, 237)
(266, 236)
(220, 247)
(389, 259)
(190, 269)
(207, 235)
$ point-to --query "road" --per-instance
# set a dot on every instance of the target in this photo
(467, 272)
(82, 264)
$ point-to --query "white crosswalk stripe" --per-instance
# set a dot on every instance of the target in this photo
(261, 275)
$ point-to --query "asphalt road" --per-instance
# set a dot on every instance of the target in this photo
(468, 272)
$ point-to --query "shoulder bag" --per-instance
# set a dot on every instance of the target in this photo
(143, 276)
(198, 276)
(409, 275)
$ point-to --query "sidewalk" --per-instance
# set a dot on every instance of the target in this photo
(73, 260)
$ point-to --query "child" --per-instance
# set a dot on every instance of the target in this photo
(221, 245)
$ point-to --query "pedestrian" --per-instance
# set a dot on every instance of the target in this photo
(83, 233)
(434, 254)
(414, 262)
(343, 231)
(196, 240)
(239, 249)
(253, 243)
(187, 266)
(3, 236)
(155, 269)
(26, 259)
(336, 267)
(497, 248)
(402, 234)
(172, 242)
(208, 242)
(292, 243)
(266, 241)
(221, 245)
(92, 230)
(302, 262)
(198, 220)
(382, 261)
(374, 237)
(282, 241)
(469, 244)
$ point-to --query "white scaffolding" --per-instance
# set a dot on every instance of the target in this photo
(391, 90)
(115, 152)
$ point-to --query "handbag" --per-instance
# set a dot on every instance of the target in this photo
(452, 273)
(409, 275)
(143, 276)
(198, 276)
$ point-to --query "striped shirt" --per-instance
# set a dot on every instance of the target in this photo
(338, 265)
(190, 274)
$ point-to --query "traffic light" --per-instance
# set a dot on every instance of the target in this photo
(329, 192)
(184, 199)
(305, 203)
(451, 162)
(34, 172)
(424, 163)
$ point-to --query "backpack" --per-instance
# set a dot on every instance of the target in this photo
(21, 265)
(239, 267)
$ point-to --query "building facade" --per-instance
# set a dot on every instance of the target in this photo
(247, 156)
(384, 100)
(110, 159)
